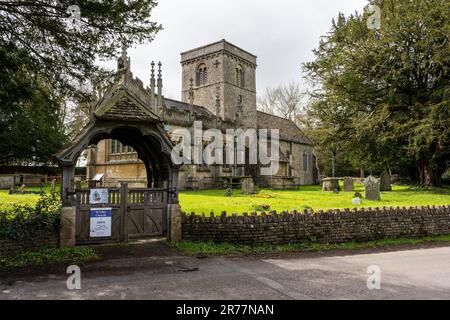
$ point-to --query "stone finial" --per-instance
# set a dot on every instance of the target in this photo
(153, 70)
(159, 70)
(124, 61)
(218, 106)
(191, 100)
(191, 91)
(160, 86)
(218, 101)
(152, 87)
(240, 103)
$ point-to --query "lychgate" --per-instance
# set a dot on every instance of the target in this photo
(126, 112)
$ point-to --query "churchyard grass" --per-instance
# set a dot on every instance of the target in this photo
(306, 197)
(7, 200)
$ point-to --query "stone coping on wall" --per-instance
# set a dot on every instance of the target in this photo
(332, 226)
(273, 216)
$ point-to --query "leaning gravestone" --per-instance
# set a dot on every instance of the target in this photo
(385, 181)
(372, 188)
(349, 184)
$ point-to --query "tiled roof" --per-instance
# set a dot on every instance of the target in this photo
(288, 129)
(126, 110)
(183, 106)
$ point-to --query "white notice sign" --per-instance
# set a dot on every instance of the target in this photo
(98, 196)
(101, 220)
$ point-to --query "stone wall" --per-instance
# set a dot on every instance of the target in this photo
(10, 247)
(335, 226)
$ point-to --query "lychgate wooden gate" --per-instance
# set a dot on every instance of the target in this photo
(136, 213)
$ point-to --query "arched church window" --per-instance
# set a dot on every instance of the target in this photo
(240, 77)
(202, 75)
(305, 161)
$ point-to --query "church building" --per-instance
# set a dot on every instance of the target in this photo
(218, 89)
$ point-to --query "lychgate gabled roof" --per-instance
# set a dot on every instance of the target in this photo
(126, 100)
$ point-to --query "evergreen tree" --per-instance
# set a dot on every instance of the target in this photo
(387, 90)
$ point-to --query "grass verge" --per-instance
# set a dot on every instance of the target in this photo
(44, 257)
(211, 248)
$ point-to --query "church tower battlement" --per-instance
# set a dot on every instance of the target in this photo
(222, 71)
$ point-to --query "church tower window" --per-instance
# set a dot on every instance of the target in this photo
(202, 75)
(240, 77)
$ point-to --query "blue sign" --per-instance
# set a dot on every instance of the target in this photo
(101, 221)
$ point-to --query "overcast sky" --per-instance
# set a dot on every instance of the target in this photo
(282, 33)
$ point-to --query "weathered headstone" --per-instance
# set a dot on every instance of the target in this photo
(372, 188)
(248, 186)
(53, 187)
(7, 181)
(385, 181)
(349, 184)
(229, 192)
(330, 184)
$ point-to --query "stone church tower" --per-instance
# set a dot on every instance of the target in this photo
(222, 72)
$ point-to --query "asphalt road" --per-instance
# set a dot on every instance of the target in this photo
(413, 274)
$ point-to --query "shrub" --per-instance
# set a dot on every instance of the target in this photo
(21, 222)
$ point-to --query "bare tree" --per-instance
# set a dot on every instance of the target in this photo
(284, 101)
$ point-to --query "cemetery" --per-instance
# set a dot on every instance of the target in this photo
(306, 197)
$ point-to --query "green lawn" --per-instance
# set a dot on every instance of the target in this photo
(7, 200)
(306, 198)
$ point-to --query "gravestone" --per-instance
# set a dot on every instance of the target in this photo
(248, 186)
(330, 184)
(7, 181)
(349, 184)
(385, 181)
(372, 188)
(229, 192)
(53, 187)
